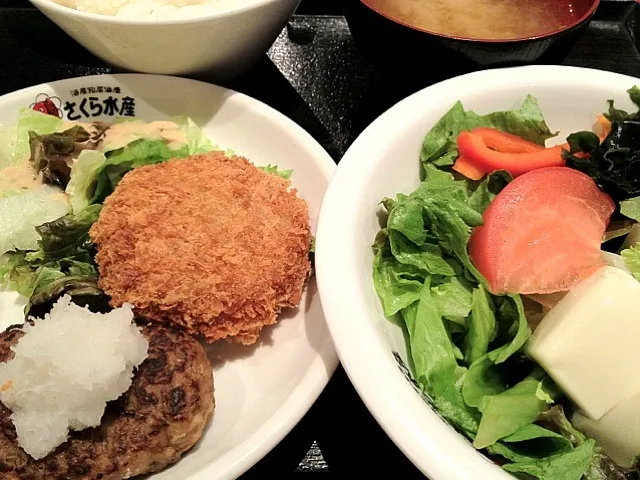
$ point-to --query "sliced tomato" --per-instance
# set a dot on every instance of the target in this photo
(542, 233)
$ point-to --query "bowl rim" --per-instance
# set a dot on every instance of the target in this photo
(584, 18)
(79, 15)
(428, 441)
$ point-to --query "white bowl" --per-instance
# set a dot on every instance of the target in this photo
(220, 45)
(382, 162)
(262, 391)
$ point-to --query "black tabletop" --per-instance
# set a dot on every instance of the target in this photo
(315, 74)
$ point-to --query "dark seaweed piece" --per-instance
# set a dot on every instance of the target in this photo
(615, 164)
(52, 154)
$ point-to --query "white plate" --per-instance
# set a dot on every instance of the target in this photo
(261, 391)
(382, 162)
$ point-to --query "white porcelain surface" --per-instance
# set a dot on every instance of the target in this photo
(261, 391)
(382, 162)
(220, 46)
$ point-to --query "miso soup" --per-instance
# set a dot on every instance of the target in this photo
(482, 19)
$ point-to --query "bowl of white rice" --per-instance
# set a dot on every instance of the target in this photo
(217, 38)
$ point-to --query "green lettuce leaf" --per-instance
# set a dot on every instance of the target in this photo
(601, 467)
(8, 137)
(513, 329)
(483, 379)
(83, 179)
(488, 188)
(454, 297)
(630, 208)
(570, 465)
(422, 271)
(427, 257)
(631, 258)
(509, 411)
(95, 175)
(20, 215)
(77, 279)
(121, 161)
(63, 263)
(16, 273)
(634, 95)
(434, 357)
(530, 444)
(431, 349)
(66, 236)
(286, 174)
(440, 146)
(554, 419)
(398, 285)
(52, 154)
(481, 325)
(36, 122)
(197, 140)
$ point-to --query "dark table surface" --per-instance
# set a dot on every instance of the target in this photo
(314, 74)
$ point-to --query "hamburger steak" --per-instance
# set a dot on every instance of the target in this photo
(161, 416)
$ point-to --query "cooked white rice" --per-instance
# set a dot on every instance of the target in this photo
(65, 370)
(153, 9)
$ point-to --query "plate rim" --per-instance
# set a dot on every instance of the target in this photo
(297, 404)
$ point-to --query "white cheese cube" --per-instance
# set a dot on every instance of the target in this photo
(589, 343)
(617, 432)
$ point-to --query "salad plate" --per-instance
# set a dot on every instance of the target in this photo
(414, 366)
(261, 390)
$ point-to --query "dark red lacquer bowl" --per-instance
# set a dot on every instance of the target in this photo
(404, 48)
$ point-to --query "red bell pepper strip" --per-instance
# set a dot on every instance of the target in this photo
(505, 142)
(475, 149)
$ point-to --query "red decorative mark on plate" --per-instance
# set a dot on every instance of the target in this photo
(47, 105)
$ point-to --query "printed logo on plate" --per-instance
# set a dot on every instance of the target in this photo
(87, 103)
(407, 374)
(48, 105)
(427, 398)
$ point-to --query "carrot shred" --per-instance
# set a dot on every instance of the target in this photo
(464, 167)
(603, 125)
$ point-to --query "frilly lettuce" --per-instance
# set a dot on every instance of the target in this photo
(20, 215)
(84, 174)
(14, 139)
(62, 263)
(631, 258)
(197, 141)
(286, 174)
(32, 121)
(94, 175)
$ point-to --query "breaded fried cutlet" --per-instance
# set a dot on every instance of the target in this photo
(161, 416)
(208, 242)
